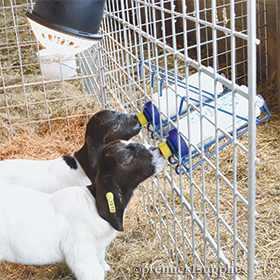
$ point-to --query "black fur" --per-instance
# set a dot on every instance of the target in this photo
(121, 168)
(104, 127)
(70, 161)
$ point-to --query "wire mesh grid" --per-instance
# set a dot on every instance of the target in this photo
(151, 47)
(39, 91)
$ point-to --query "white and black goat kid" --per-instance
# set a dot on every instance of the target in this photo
(75, 224)
(79, 168)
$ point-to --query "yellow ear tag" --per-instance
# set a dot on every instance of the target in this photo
(165, 150)
(142, 119)
(111, 203)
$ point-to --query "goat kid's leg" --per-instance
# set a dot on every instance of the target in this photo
(88, 268)
(102, 261)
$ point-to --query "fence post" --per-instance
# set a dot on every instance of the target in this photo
(252, 66)
(101, 77)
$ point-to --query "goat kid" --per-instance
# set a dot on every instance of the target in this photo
(78, 169)
(75, 224)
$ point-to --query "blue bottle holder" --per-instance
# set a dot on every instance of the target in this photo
(148, 112)
(172, 142)
(157, 123)
(154, 122)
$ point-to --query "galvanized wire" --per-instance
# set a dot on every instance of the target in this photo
(144, 39)
(195, 212)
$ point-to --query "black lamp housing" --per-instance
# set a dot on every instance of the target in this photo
(78, 18)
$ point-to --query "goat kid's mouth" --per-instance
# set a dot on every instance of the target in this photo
(136, 121)
(137, 127)
(158, 158)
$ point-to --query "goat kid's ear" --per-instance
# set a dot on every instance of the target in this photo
(94, 148)
(109, 203)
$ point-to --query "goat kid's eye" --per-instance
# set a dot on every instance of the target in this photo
(127, 159)
(117, 126)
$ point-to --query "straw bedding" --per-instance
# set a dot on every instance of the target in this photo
(135, 247)
(138, 245)
(49, 104)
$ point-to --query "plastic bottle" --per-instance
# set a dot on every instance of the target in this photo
(207, 87)
(224, 119)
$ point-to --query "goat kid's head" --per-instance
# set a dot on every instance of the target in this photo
(106, 126)
(110, 125)
(122, 166)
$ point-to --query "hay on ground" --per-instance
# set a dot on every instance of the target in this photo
(138, 246)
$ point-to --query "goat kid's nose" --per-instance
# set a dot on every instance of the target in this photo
(131, 118)
(134, 120)
(134, 116)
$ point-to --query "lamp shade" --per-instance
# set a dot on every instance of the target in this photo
(77, 18)
(56, 22)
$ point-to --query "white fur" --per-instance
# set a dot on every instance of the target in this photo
(46, 176)
(158, 160)
(52, 175)
(38, 228)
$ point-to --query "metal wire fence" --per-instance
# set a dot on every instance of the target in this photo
(182, 58)
(186, 60)
(36, 92)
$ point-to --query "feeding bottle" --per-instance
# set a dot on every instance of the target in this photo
(167, 98)
(205, 122)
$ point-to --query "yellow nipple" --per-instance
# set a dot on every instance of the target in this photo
(166, 152)
(142, 119)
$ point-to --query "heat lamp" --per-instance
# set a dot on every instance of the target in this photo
(67, 26)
